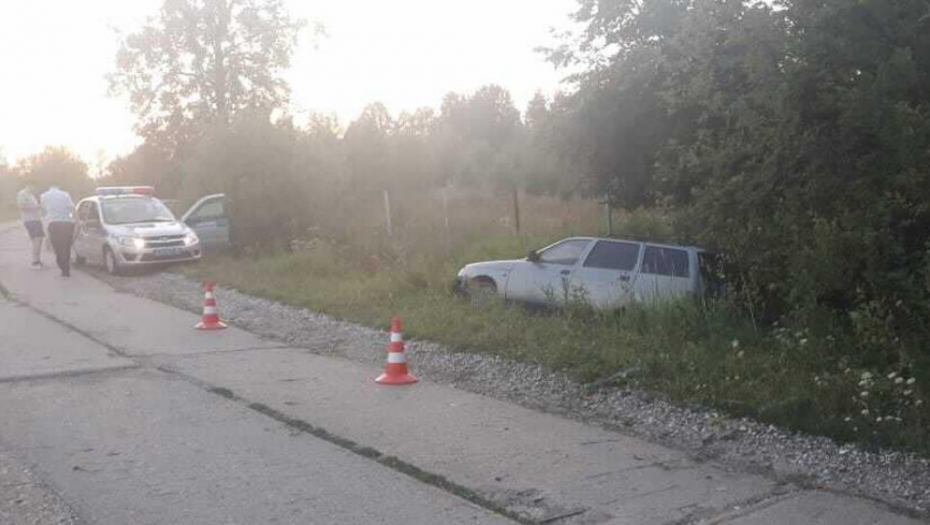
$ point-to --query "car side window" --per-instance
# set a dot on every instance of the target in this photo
(666, 261)
(611, 255)
(210, 210)
(88, 212)
(566, 253)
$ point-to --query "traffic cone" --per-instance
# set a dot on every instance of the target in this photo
(210, 319)
(395, 371)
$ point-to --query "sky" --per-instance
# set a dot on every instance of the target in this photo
(404, 53)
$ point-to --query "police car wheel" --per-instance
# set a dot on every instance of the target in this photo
(109, 260)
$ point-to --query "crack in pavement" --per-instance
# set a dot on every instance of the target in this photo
(67, 374)
(392, 462)
(661, 465)
(215, 352)
(754, 507)
(745, 507)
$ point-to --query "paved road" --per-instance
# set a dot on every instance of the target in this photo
(121, 413)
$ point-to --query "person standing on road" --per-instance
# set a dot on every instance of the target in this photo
(31, 214)
(57, 207)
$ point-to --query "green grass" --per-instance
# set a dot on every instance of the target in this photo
(695, 354)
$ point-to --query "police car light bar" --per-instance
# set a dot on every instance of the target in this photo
(125, 190)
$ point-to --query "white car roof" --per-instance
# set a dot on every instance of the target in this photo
(639, 241)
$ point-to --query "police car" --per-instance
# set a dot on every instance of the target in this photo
(122, 227)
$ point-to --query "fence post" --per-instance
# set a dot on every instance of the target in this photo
(445, 213)
(387, 213)
(516, 209)
(610, 218)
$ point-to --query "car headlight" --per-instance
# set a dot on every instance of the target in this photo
(191, 239)
(132, 242)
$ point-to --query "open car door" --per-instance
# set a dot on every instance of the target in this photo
(208, 217)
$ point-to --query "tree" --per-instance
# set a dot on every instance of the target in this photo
(56, 166)
(9, 185)
(146, 165)
(368, 149)
(543, 161)
(413, 152)
(796, 139)
(253, 161)
(477, 135)
(487, 115)
(323, 153)
(200, 62)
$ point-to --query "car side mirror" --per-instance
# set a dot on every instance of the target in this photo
(532, 256)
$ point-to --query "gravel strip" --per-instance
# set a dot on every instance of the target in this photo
(24, 500)
(899, 479)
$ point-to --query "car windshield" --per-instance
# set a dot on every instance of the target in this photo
(135, 209)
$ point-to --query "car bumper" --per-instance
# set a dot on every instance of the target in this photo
(156, 256)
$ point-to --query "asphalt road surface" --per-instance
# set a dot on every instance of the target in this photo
(114, 410)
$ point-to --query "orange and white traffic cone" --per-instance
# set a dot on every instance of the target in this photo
(211, 318)
(395, 371)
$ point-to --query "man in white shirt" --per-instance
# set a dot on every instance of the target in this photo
(57, 207)
(31, 214)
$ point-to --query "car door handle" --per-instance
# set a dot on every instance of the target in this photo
(565, 272)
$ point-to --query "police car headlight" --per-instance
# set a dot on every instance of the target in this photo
(132, 242)
(191, 239)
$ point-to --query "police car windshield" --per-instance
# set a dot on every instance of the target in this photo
(135, 209)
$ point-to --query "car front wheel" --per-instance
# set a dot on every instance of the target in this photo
(482, 292)
(110, 261)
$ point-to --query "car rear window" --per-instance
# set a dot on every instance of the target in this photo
(665, 261)
(611, 255)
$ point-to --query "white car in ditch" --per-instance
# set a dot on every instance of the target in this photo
(604, 273)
